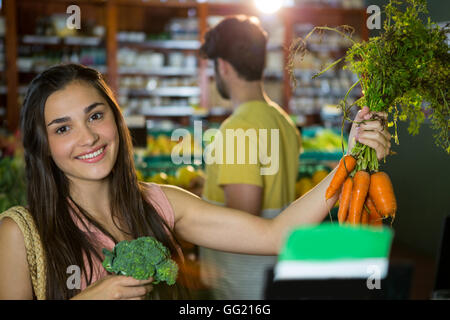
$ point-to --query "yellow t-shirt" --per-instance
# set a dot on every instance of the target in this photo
(270, 143)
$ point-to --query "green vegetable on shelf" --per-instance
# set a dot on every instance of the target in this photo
(324, 140)
(141, 259)
(12, 182)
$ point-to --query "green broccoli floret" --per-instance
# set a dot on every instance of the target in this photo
(141, 259)
(166, 271)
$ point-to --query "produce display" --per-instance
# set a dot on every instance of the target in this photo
(321, 144)
(404, 73)
(162, 145)
(12, 182)
(310, 174)
(141, 259)
(182, 176)
(323, 140)
(9, 144)
(12, 173)
(155, 162)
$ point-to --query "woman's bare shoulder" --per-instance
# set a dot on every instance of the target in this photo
(10, 232)
(15, 280)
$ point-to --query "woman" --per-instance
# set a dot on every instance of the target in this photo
(84, 195)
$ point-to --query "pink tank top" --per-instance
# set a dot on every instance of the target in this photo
(157, 198)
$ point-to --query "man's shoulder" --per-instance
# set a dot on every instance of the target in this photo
(239, 121)
(249, 115)
(260, 115)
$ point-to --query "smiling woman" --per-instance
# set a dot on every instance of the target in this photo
(82, 134)
(79, 166)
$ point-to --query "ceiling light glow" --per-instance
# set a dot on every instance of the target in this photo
(268, 6)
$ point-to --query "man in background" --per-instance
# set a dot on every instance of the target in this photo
(237, 45)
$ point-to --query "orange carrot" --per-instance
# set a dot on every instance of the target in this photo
(347, 220)
(382, 194)
(344, 199)
(375, 218)
(361, 182)
(340, 175)
(364, 216)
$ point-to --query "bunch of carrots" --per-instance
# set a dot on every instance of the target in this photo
(365, 198)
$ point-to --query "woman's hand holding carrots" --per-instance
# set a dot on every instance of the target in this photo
(369, 128)
(366, 197)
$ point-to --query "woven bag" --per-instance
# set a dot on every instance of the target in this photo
(33, 245)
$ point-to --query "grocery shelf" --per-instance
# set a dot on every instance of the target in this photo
(167, 111)
(168, 4)
(39, 69)
(321, 47)
(162, 71)
(274, 46)
(278, 74)
(165, 44)
(308, 73)
(163, 92)
(108, 14)
(324, 10)
(22, 90)
(321, 155)
(77, 2)
(56, 40)
(34, 39)
(83, 41)
(317, 92)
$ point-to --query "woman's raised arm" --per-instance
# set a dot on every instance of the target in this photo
(231, 230)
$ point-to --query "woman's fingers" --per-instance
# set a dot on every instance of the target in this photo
(133, 289)
(362, 114)
(371, 131)
(376, 145)
(124, 293)
(376, 141)
(375, 135)
(148, 289)
(382, 115)
(131, 282)
(387, 136)
(374, 126)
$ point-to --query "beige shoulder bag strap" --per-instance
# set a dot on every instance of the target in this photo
(35, 252)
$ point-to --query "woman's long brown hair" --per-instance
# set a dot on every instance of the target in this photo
(48, 188)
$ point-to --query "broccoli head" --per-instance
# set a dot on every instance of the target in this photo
(141, 259)
(166, 271)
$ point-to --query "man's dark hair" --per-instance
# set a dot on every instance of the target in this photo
(241, 41)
